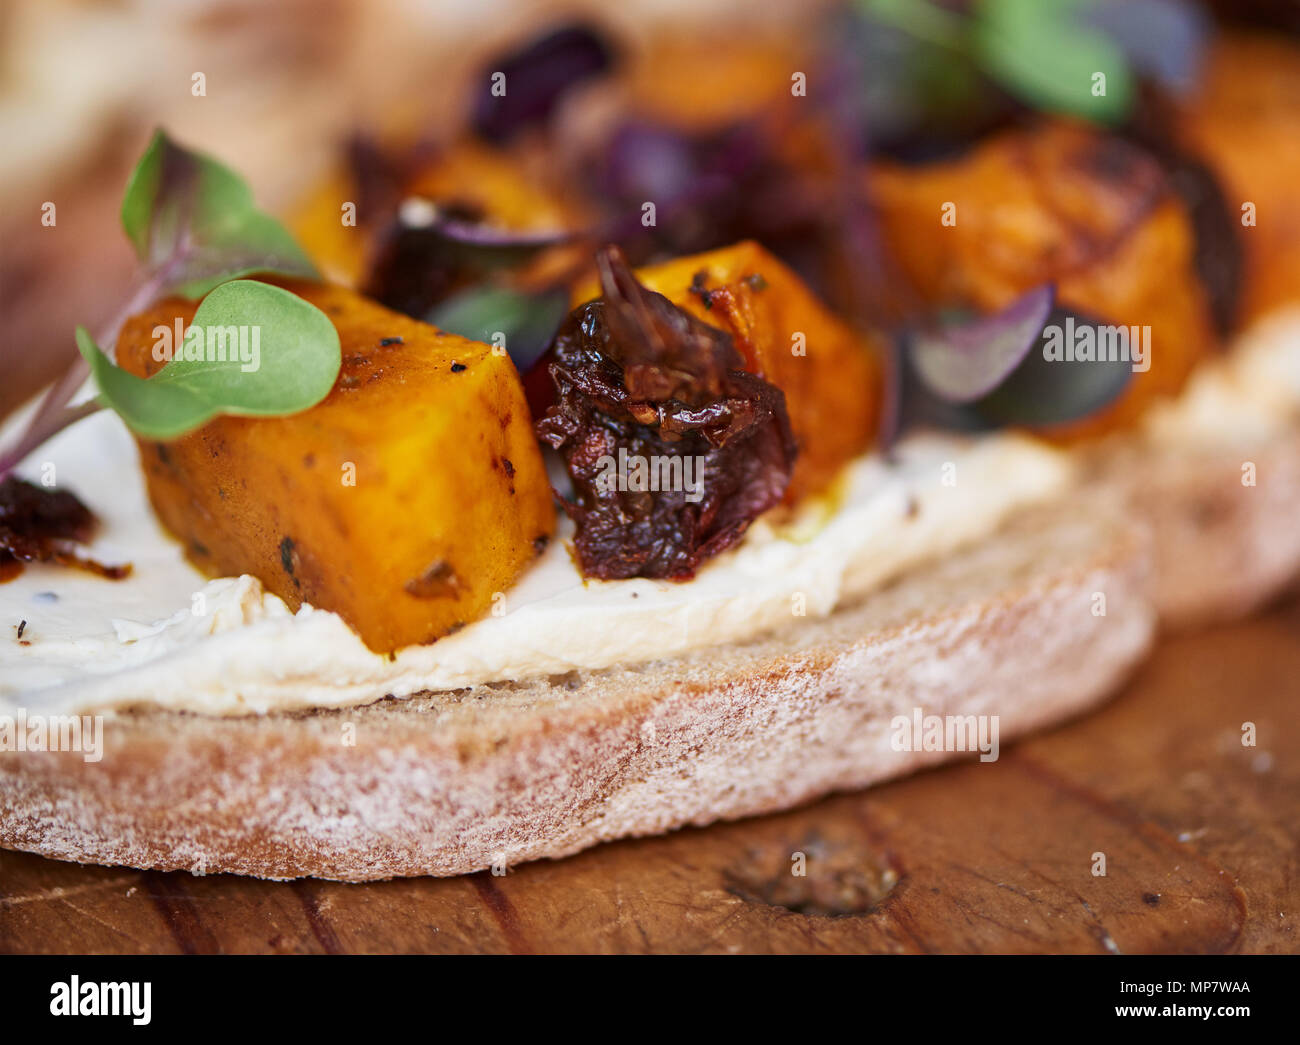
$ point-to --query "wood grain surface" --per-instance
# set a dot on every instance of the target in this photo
(1201, 836)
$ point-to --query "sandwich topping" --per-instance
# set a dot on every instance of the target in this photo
(170, 637)
(45, 525)
(684, 401)
(639, 379)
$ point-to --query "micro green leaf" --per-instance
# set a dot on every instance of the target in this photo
(1044, 52)
(1164, 39)
(156, 412)
(920, 18)
(253, 349)
(1043, 392)
(961, 362)
(527, 321)
(194, 225)
(1040, 392)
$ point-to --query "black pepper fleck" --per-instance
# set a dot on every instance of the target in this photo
(385, 342)
(287, 550)
(439, 581)
(699, 289)
(22, 626)
(456, 368)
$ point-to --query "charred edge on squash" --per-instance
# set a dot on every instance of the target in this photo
(289, 560)
(439, 581)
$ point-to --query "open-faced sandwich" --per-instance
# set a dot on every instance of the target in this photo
(703, 430)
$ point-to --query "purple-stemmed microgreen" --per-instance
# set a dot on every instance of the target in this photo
(961, 362)
(297, 373)
(988, 371)
(1081, 58)
(195, 227)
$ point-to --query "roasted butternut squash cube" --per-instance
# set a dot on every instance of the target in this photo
(1057, 203)
(493, 182)
(1244, 121)
(339, 250)
(831, 374)
(403, 501)
(495, 185)
(690, 82)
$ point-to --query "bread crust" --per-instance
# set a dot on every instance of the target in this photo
(448, 783)
(1225, 542)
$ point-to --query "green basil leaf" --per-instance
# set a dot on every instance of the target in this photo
(1042, 51)
(194, 225)
(259, 351)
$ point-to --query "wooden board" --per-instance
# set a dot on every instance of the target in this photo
(1200, 835)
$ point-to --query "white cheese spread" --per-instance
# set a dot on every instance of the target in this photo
(169, 637)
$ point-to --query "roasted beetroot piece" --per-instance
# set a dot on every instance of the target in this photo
(672, 447)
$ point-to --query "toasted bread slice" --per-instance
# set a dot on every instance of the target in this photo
(1031, 626)
(1221, 547)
